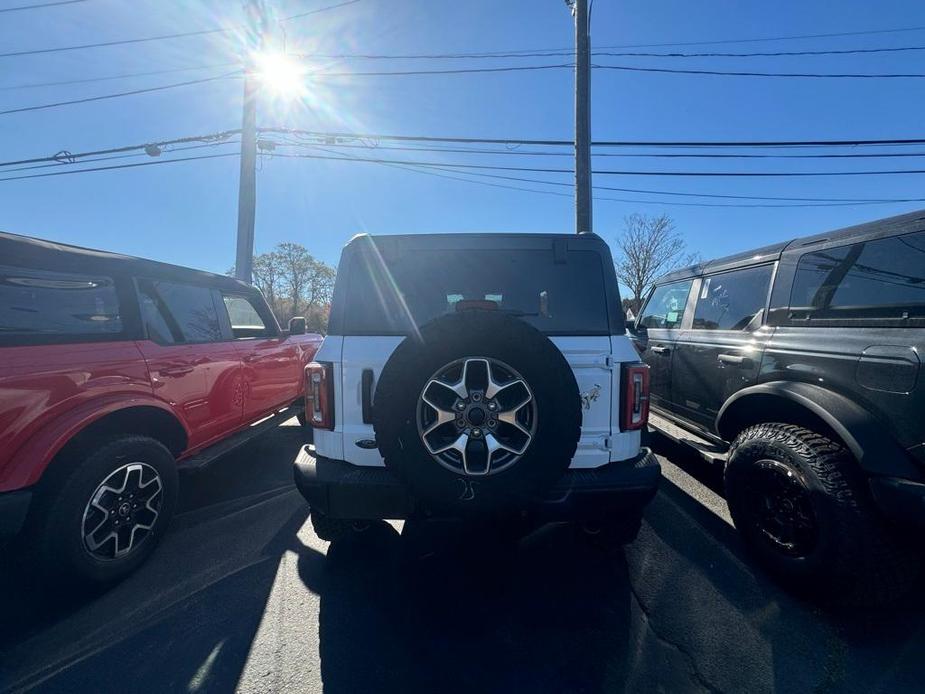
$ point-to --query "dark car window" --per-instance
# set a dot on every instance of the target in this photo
(35, 303)
(179, 312)
(880, 279)
(245, 320)
(733, 300)
(385, 297)
(665, 308)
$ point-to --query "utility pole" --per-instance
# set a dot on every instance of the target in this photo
(247, 186)
(583, 220)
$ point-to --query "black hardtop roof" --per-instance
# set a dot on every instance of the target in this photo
(889, 226)
(29, 251)
(463, 241)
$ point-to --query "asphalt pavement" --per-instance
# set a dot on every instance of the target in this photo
(241, 596)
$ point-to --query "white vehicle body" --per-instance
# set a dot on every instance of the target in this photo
(595, 360)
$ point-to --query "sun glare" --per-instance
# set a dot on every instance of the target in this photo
(280, 74)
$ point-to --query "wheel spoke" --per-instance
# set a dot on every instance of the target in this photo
(510, 417)
(437, 393)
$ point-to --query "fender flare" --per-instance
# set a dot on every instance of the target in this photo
(30, 461)
(874, 449)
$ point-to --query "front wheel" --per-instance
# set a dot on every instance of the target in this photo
(802, 505)
(99, 521)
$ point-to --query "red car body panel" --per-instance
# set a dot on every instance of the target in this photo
(202, 385)
(48, 390)
(49, 393)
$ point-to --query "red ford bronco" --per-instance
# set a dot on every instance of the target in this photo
(114, 372)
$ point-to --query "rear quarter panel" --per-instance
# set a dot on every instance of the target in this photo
(879, 368)
(40, 385)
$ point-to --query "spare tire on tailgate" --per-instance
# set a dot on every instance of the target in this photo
(477, 412)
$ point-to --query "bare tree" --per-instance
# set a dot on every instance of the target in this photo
(649, 247)
(295, 283)
(268, 276)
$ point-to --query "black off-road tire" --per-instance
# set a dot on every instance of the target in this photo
(477, 334)
(334, 529)
(857, 559)
(55, 541)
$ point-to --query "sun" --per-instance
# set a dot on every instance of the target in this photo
(280, 74)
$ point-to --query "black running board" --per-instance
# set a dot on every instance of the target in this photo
(708, 450)
(208, 455)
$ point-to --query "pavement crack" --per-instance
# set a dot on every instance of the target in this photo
(698, 676)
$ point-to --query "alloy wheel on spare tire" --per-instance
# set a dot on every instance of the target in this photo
(478, 412)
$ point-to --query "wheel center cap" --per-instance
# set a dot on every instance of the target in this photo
(124, 508)
(476, 416)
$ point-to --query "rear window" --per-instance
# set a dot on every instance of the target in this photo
(36, 304)
(388, 297)
(880, 280)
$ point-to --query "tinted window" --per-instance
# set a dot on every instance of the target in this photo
(882, 279)
(386, 297)
(186, 312)
(665, 308)
(156, 317)
(37, 302)
(245, 321)
(733, 300)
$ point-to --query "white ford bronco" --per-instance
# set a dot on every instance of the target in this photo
(477, 376)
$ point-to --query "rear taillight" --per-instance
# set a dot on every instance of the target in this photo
(635, 405)
(319, 395)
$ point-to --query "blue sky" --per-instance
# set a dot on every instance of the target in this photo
(186, 212)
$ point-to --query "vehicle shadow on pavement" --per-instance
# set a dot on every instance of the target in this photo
(436, 609)
(196, 640)
(703, 593)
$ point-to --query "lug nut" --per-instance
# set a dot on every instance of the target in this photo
(476, 397)
(492, 406)
(476, 432)
(460, 405)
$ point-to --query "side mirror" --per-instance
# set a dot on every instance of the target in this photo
(297, 325)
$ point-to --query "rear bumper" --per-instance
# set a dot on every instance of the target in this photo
(341, 490)
(900, 500)
(13, 509)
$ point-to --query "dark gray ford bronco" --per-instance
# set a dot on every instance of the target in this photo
(799, 368)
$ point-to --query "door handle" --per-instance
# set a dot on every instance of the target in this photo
(661, 349)
(176, 370)
(735, 360)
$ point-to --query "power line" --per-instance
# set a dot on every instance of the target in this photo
(316, 11)
(39, 7)
(118, 156)
(655, 155)
(415, 138)
(67, 157)
(610, 172)
(798, 37)
(119, 166)
(678, 71)
(554, 52)
(86, 80)
(432, 172)
(117, 95)
(448, 71)
(121, 42)
(682, 194)
(513, 141)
